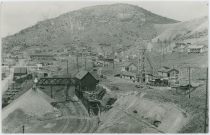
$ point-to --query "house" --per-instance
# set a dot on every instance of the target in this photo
(130, 67)
(19, 71)
(166, 72)
(197, 49)
(86, 81)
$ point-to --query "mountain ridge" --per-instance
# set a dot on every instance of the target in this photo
(104, 24)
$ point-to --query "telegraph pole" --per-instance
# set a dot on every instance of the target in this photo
(23, 128)
(85, 63)
(67, 66)
(113, 56)
(51, 92)
(139, 66)
(143, 65)
(206, 106)
(77, 60)
(189, 80)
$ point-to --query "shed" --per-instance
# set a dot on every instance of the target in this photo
(86, 81)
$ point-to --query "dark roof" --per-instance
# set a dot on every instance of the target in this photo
(95, 75)
(20, 70)
(81, 74)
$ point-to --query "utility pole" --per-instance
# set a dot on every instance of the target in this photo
(113, 56)
(51, 92)
(77, 61)
(103, 56)
(206, 106)
(23, 128)
(67, 66)
(143, 65)
(189, 81)
(139, 66)
(85, 63)
(67, 87)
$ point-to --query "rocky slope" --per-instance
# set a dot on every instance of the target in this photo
(193, 31)
(107, 25)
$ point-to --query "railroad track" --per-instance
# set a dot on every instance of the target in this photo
(83, 123)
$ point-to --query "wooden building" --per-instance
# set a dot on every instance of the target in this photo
(86, 81)
(130, 67)
(170, 73)
(197, 49)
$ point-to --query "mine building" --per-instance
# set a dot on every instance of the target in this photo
(197, 49)
(85, 89)
(130, 67)
(86, 81)
(170, 73)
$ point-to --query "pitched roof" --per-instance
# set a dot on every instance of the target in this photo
(95, 75)
(81, 74)
(20, 70)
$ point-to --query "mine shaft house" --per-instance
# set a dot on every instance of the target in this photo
(86, 81)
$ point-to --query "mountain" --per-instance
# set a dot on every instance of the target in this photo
(116, 25)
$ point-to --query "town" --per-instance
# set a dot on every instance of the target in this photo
(76, 88)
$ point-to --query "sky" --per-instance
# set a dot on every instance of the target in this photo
(15, 16)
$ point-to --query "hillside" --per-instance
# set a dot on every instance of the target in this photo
(118, 25)
(193, 31)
